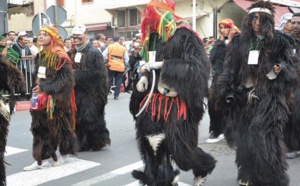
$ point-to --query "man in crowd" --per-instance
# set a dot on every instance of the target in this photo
(117, 58)
(90, 89)
(22, 48)
(101, 39)
(12, 37)
(67, 44)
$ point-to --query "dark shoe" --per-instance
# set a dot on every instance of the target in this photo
(116, 98)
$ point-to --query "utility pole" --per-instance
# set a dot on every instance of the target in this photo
(194, 15)
(56, 14)
(3, 17)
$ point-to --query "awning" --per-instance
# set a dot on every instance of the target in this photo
(92, 28)
(279, 10)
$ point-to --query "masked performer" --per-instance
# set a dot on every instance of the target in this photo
(53, 121)
(168, 127)
(258, 69)
(91, 92)
(227, 30)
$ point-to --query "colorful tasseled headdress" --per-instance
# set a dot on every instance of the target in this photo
(160, 18)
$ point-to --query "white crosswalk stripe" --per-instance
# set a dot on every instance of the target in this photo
(12, 150)
(73, 166)
(114, 173)
(40, 176)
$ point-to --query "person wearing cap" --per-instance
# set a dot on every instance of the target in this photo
(168, 102)
(91, 92)
(285, 23)
(227, 30)
(257, 81)
(53, 121)
(117, 61)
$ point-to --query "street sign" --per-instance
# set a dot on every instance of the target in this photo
(62, 32)
(61, 15)
(40, 20)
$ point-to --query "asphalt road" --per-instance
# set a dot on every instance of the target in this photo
(112, 165)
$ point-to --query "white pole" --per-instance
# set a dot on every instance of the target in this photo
(194, 15)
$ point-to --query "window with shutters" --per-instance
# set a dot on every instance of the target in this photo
(121, 18)
(134, 17)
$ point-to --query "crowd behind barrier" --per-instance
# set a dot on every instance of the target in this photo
(27, 67)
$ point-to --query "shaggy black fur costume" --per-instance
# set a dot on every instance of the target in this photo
(163, 132)
(217, 118)
(262, 102)
(48, 134)
(11, 80)
(4, 122)
(91, 98)
(292, 129)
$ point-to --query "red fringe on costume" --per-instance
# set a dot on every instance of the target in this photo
(164, 105)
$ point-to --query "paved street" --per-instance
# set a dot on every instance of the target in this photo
(112, 165)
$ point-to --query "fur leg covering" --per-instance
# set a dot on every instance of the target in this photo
(217, 120)
(4, 122)
(292, 129)
(152, 145)
(260, 154)
(91, 130)
(45, 137)
(182, 141)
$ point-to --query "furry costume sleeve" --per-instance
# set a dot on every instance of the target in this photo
(186, 69)
(217, 56)
(60, 82)
(94, 68)
(11, 80)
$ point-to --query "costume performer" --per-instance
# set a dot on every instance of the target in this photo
(259, 70)
(11, 80)
(91, 92)
(292, 129)
(53, 122)
(4, 122)
(218, 119)
(168, 127)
